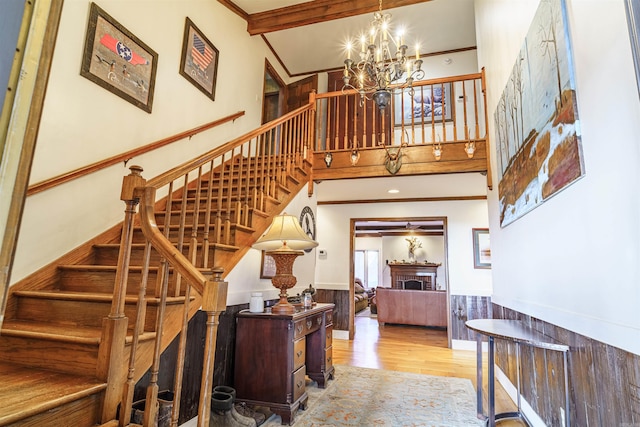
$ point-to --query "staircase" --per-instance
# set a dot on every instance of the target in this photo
(61, 361)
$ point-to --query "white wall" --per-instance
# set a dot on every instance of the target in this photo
(573, 261)
(332, 272)
(83, 123)
(432, 250)
(245, 276)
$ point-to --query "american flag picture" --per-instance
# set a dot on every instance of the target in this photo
(201, 54)
(199, 60)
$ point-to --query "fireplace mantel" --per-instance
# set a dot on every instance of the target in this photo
(420, 276)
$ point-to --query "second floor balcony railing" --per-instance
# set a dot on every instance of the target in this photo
(437, 126)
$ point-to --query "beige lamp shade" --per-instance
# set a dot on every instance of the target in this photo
(285, 233)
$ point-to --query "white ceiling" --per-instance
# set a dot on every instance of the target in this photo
(437, 25)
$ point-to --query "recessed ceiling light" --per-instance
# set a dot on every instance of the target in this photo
(393, 191)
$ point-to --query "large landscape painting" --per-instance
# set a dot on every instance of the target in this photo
(537, 128)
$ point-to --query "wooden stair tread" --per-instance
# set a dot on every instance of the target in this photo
(56, 332)
(101, 268)
(51, 331)
(90, 296)
(28, 391)
(200, 227)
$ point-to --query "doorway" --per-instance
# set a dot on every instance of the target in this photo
(388, 237)
(273, 94)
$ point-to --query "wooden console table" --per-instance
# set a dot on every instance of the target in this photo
(425, 273)
(519, 333)
(274, 352)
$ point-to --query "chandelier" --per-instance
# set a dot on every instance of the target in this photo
(378, 67)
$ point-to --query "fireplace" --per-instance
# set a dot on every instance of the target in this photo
(420, 276)
(417, 285)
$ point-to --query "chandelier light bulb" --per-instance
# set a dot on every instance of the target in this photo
(382, 63)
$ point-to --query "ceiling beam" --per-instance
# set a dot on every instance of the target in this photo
(313, 12)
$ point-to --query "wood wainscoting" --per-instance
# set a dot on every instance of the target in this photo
(604, 380)
(339, 297)
(467, 307)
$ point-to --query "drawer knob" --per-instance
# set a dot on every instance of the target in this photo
(299, 328)
(319, 320)
(329, 359)
(309, 324)
(299, 353)
(299, 384)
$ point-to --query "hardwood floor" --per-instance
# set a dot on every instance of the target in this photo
(413, 349)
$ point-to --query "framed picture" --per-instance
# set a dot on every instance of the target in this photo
(199, 60)
(267, 266)
(422, 104)
(633, 21)
(118, 61)
(481, 248)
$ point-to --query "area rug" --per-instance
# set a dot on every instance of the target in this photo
(374, 397)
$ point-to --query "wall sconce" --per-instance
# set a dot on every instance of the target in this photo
(437, 150)
(328, 158)
(355, 156)
(470, 148)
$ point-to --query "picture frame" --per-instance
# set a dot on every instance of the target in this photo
(199, 60)
(481, 248)
(408, 105)
(633, 21)
(115, 59)
(267, 266)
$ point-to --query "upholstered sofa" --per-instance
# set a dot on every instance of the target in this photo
(360, 296)
(411, 307)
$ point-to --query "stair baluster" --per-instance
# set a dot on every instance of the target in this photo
(130, 384)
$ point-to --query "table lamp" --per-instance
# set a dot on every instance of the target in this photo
(284, 241)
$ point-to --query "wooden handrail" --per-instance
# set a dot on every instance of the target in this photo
(170, 175)
(164, 246)
(398, 85)
(94, 167)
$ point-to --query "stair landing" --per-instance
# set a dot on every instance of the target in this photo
(35, 397)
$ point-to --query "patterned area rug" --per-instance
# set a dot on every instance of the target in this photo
(374, 397)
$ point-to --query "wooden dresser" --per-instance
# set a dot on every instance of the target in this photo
(274, 352)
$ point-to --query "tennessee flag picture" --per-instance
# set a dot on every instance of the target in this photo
(115, 59)
(122, 50)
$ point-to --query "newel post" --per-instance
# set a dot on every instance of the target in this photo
(214, 302)
(111, 366)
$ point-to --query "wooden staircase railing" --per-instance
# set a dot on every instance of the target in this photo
(195, 217)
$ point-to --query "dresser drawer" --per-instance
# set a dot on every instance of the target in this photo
(299, 348)
(329, 317)
(329, 336)
(298, 383)
(328, 359)
(306, 326)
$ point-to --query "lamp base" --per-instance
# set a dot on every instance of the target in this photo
(283, 307)
(283, 278)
